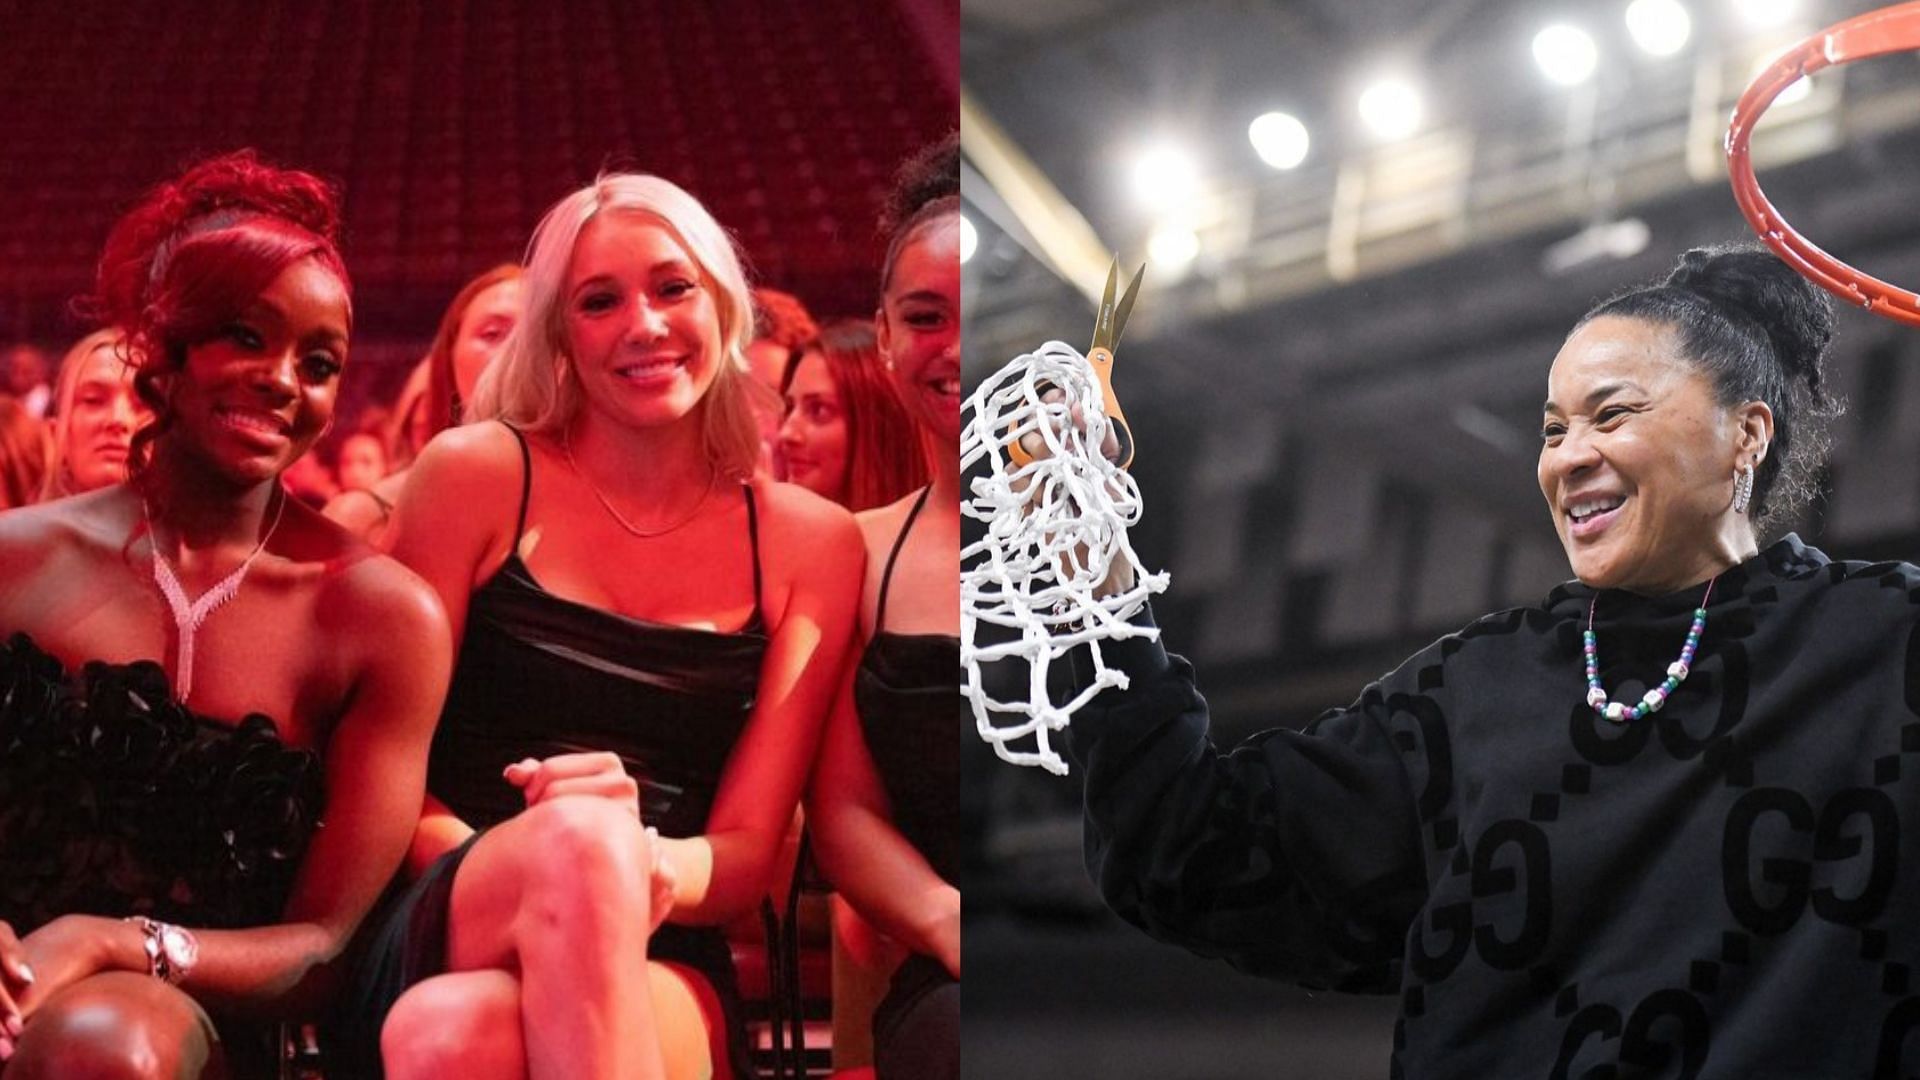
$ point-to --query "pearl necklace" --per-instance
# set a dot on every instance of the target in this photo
(187, 616)
(1676, 672)
(713, 476)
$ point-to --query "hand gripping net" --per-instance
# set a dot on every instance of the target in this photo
(1054, 527)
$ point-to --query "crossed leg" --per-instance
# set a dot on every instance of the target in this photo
(547, 936)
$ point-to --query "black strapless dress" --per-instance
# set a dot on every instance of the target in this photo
(540, 675)
(117, 800)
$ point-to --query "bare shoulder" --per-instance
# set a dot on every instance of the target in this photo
(381, 601)
(880, 526)
(808, 525)
(473, 455)
(32, 538)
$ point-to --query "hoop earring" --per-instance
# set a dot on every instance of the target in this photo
(1742, 488)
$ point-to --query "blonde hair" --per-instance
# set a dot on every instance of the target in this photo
(532, 385)
(68, 384)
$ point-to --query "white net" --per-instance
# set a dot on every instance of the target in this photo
(1055, 528)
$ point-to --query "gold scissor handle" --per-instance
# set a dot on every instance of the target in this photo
(1102, 361)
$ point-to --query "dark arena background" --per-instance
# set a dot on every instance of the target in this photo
(450, 127)
(1334, 373)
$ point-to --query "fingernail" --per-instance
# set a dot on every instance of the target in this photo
(26, 973)
(6, 1048)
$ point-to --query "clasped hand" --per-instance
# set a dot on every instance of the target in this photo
(599, 775)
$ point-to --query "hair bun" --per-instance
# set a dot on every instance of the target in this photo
(927, 177)
(238, 182)
(1796, 315)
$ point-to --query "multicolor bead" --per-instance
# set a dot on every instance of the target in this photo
(1655, 698)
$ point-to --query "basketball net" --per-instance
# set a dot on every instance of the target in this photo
(1055, 529)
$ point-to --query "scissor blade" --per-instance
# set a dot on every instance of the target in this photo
(1126, 307)
(1103, 321)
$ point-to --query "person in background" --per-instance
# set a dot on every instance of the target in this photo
(472, 334)
(782, 327)
(26, 454)
(96, 414)
(361, 462)
(845, 435)
(26, 368)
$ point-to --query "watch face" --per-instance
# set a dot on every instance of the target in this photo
(182, 950)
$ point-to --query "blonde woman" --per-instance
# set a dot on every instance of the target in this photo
(97, 414)
(648, 632)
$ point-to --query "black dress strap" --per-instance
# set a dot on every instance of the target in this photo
(886, 576)
(753, 540)
(526, 486)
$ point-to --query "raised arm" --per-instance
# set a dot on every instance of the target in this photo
(1296, 855)
(815, 560)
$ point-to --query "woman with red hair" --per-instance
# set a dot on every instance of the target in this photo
(199, 664)
(472, 333)
(845, 435)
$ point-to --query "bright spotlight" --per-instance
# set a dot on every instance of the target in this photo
(969, 238)
(1661, 27)
(1766, 14)
(1279, 139)
(1391, 109)
(1566, 54)
(1165, 177)
(1172, 247)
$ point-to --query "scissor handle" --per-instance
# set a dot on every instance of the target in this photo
(1102, 361)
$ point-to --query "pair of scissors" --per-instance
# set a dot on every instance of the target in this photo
(1108, 325)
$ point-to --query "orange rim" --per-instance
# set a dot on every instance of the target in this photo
(1877, 33)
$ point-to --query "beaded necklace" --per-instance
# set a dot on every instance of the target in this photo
(1676, 672)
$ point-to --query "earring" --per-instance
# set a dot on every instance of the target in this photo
(1742, 488)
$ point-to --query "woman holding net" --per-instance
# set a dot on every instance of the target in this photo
(1631, 828)
(649, 632)
(883, 807)
(200, 666)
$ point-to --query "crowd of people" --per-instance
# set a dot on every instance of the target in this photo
(466, 728)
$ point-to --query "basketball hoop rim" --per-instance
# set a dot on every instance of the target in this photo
(1875, 33)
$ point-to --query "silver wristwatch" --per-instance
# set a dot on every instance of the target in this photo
(171, 950)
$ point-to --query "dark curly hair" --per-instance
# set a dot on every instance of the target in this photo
(194, 252)
(926, 187)
(1759, 332)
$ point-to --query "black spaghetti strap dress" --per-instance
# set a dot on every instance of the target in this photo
(907, 693)
(539, 675)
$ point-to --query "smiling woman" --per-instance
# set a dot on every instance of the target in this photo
(1603, 833)
(649, 634)
(158, 624)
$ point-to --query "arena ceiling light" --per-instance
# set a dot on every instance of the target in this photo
(969, 238)
(1172, 247)
(1391, 108)
(1766, 14)
(1280, 140)
(1165, 177)
(1661, 27)
(1566, 54)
